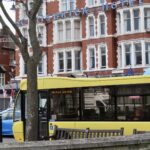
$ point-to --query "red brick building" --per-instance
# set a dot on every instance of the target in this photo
(7, 57)
(93, 37)
(7, 69)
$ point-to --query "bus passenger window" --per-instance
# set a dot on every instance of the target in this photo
(133, 108)
(96, 103)
(64, 104)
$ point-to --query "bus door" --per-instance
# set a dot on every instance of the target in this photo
(43, 113)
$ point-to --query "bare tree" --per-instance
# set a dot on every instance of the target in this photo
(30, 60)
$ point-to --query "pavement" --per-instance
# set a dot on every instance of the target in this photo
(8, 140)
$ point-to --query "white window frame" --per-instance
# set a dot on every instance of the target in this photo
(43, 63)
(60, 31)
(77, 31)
(136, 17)
(135, 52)
(147, 21)
(147, 53)
(142, 19)
(68, 4)
(76, 59)
(62, 59)
(68, 59)
(99, 25)
(118, 23)
(40, 34)
(68, 30)
(100, 56)
(87, 27)
(89, 58)
(130, 52)
(119, 56)
(60, 36)
(142, 52)
(126, 21)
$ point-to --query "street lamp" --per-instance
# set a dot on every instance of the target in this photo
(13, 6)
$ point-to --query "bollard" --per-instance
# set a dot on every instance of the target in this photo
(1, 137)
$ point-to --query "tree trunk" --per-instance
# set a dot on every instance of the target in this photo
(32, 102)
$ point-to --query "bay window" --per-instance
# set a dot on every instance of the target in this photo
(68, 30)
(136, 54)
(68, 60)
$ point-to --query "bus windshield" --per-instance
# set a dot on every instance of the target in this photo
(17, 108)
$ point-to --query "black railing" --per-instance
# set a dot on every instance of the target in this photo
(1, 137)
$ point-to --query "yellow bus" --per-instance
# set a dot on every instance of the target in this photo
(80, 103)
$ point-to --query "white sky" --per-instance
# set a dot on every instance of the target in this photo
(8, 5)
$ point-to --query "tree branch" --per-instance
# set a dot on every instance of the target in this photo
(22, 45)
(34, 40)
(16, 40)
(34, 10)
(10, 20)
(32, 30)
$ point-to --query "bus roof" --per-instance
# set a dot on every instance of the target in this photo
(66, 82)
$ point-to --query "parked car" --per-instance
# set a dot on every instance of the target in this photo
(7, 121)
